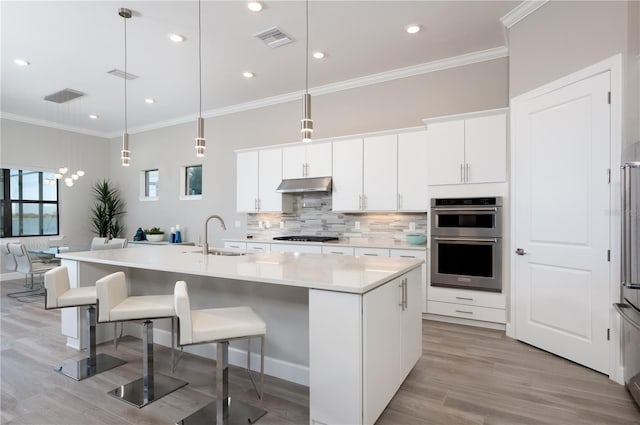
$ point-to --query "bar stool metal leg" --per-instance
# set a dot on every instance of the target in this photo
(222, 410)
(152, 386)
(94, 363)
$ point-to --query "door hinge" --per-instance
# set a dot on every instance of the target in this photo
(608, 255)
(608, 334)
(609, 175)
(609, 98)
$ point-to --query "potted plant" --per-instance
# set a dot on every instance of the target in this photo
(106, 213)
(154, 234)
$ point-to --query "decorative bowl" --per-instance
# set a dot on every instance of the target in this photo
(156, 237)
(417, 238)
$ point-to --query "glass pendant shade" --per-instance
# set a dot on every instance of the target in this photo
(306, 123)
(201, 142)
(125, 153)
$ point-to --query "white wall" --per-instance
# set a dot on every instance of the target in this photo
(33, 147)
(563, 37)
(394, 104)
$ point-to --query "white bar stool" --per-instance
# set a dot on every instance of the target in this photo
(220, 325)
(59, 294)
(114, 305)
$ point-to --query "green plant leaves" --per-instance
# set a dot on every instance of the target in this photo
(107, 210)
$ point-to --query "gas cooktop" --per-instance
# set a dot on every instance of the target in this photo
(301, 238)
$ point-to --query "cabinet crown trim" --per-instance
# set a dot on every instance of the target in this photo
(466, 115)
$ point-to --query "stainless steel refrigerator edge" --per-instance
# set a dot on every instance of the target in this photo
(629, 306)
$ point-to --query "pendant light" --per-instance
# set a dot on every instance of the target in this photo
(201, 142)
(125, 153)
(306, 127)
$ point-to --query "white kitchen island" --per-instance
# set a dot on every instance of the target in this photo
(353, 324)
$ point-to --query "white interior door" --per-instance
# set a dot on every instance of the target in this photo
(561, 155)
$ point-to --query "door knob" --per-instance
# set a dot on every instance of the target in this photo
(520, 251)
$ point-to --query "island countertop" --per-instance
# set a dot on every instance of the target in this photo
(356, 275)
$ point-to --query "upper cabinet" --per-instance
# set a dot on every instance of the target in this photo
(308, 160)
(468, 148)
(365, 174)
(412, 171)
(258, 175)
(380, 173)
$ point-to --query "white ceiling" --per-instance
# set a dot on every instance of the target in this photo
(73, 44)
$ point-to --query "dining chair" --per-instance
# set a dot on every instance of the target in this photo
(26, 266)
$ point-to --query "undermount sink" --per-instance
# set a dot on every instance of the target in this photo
(223, 253)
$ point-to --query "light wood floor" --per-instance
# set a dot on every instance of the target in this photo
(466, 375)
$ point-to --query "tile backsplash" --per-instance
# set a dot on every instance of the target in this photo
(312, 215)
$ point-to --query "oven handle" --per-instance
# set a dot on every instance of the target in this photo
(494, 240)
(622, 310)
(472, 209)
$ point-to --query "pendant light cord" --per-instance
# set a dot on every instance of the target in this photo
(306, 56)
(200, 57)
(125, 73)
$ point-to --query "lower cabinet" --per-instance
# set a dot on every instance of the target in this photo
(392, 340)
(283, 247)
(361, 348)
(475, 305)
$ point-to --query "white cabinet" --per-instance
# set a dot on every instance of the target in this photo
(235, 245)
(308, 160)
(283, 247)
(421, 255)
(380, 173)
(347, 175)
(412, 172)
(371, 252)
(392, 340)
(258, 174)
(475, 305)
(365, 174)
(468, 148)
(258, 247)
(338, 250)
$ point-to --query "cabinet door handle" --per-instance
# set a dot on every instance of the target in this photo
(371, 255)
(255, 204)
(399, 201)
(466, 173)
(360, 202)
(407, 256)
(406, 290)
(304, 172)
(463, 311)
(336, 252)
(461, 173)
(464, 298)
(364, 202)
(401, 286)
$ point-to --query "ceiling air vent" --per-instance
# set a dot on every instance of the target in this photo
(64, 96)
(273, 37)
(119, 73)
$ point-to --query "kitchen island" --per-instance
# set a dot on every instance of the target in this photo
(350, 326)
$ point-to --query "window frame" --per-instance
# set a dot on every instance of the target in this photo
(183, 196)
(144, 185)
(6, 204)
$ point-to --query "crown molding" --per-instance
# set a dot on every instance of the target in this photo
(425, 68)
(521, 11)
(51, 124)
(395, 74)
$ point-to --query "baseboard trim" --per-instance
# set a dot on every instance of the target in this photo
(467, 322)
(282, 369)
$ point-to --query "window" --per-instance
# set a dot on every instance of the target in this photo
(191, 182)
(149, 185)
(29, 203)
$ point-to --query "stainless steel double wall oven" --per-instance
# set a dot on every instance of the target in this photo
(466, 243)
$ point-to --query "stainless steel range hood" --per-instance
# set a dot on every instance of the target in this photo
(309, 184)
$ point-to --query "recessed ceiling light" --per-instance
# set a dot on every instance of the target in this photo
(254, 6)
(318, 55)
(248, 74)
(412, 29)
(21, 62)
(176, 38)
(93, 116)
(149, 100)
